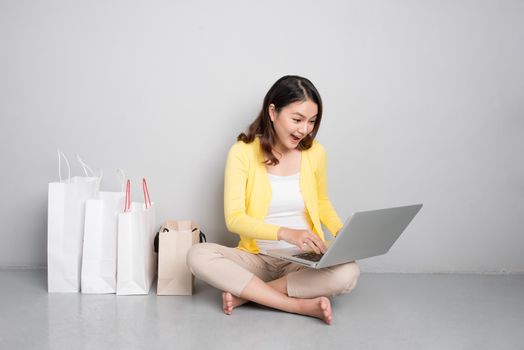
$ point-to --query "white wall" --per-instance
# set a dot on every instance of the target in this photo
(423, 103)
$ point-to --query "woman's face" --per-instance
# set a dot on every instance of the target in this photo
(294, 122)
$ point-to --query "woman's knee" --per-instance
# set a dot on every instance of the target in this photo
(346, 277)
(197, 256)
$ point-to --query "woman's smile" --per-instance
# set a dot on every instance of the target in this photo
(295, 139)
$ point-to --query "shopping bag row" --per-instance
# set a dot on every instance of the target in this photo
(101, 242)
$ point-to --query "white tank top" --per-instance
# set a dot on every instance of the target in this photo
(286, 209)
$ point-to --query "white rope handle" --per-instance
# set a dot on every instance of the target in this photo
(85, 167)
(60, 155)
(101, 174)
(123, 176)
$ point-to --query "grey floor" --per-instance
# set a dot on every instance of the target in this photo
(385, 311)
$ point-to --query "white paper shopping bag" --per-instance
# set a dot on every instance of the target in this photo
(65, 228)
(100, 242)
(136, 265)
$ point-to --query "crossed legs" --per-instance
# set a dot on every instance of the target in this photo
(261, 293)
(229, 301)
(211, 263)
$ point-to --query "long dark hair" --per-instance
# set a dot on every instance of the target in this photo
(286, 90)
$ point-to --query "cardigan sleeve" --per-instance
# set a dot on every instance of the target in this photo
(235, 181)
(327, 213)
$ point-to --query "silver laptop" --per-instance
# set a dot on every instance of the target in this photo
(364, 234)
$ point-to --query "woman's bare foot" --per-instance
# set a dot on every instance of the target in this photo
(229, 302)
(318, 307)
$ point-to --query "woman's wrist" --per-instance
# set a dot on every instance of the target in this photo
(280, 233)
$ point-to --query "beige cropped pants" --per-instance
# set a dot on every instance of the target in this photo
(231, 269)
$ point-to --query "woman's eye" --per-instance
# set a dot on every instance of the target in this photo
(312, 121)
(296, 120)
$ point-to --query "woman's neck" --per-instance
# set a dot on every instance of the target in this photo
(289, 162)
(281, 152)
(284, 154)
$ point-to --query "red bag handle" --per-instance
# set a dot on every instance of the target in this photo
(147, 199)
(127, 203)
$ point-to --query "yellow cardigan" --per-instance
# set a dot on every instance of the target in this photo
(247, 194)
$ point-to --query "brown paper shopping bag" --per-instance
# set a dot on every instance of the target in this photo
(175, 240)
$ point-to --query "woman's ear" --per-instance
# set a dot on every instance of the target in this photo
(272, 112)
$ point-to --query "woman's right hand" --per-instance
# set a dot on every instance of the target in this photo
(304, 239)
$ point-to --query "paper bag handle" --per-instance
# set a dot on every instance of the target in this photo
(123, 177)
(86, 167)
(127, 202)
(201, 236)
(89, 172)
(147, 199)
(60, 155)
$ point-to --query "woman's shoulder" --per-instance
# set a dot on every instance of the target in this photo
(317, 149)
(241, 146)
(241, 149)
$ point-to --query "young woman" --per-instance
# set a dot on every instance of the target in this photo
(275, 195)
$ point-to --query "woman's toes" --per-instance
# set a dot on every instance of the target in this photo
(227, 303)
(325, 306)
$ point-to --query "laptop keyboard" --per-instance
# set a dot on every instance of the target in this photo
(311, 256)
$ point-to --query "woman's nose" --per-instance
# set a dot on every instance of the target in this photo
(303, 128)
